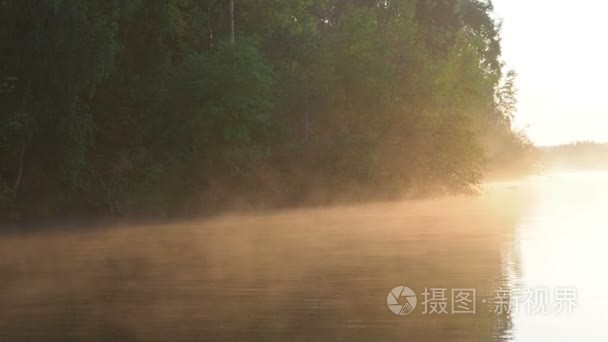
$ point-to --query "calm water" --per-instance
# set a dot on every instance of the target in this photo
(314, 275)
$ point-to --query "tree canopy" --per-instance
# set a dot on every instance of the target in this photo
(138, 107)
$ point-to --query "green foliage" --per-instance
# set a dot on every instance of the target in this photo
(126, 106)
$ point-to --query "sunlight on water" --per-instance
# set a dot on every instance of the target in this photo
(320, 274)
(562, 243)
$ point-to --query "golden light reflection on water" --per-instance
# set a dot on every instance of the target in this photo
(562, 243)
(320, 274)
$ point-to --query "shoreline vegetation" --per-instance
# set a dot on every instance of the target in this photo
(183, 108)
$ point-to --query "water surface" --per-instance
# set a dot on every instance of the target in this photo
(322, 274)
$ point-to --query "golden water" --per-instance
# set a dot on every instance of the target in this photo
(320, 274)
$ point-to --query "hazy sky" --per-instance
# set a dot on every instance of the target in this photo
(560, 51)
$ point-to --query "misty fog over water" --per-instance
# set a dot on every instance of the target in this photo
(319, 274)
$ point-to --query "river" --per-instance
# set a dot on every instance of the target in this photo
(524, 261)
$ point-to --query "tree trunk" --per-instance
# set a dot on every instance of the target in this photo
(19, 175)
(210, 26)
(231, 6)
(307, 121)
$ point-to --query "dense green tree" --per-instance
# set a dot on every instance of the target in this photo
(169, 106)
(57, 52)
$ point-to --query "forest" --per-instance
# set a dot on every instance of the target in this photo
(170, 108)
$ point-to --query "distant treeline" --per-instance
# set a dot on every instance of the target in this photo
(134, 107)
(580, 155)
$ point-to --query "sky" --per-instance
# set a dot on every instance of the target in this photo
(559, 50)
